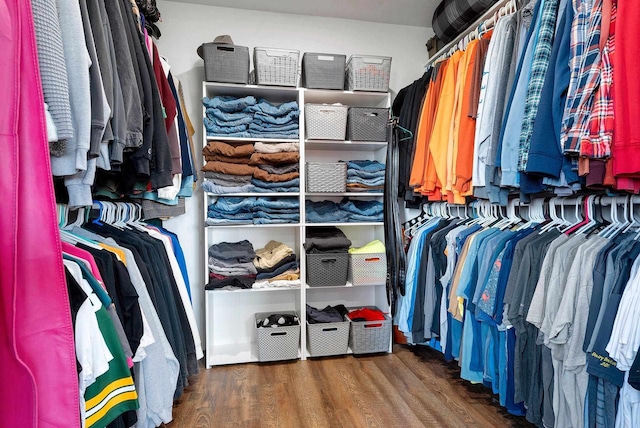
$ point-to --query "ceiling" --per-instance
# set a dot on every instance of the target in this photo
(403, 12)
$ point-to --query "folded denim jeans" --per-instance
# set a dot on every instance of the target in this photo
(227, 117)
(216, 221)
(228, 183)
(276, 212)
(230, 104)
(233, 205)
(229, 150)
(213, 128)
(264, 106)
(262, 118)
(365, 165)
(366, 181)
(354, 218)
(261, 147)
(276, 190)
(274, 158)
(324, 212)
(243, 134)
(216, 189)
(365, 174)
(273, 128)
(276, 203)
(213, 214)
(274, 221)
(357, 206)
(241, 251)
(280, 169)
(279, 185)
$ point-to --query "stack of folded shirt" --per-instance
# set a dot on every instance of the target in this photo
(372, 247)
(336, 313)
(227, 168)
(228, 116)
(274, 121)
(239, 210)
(348, 210)
(367, 314)
(326, 240)
(365, 176)
(277, 167)
(277, 266)
(231, 265)
(246, 117)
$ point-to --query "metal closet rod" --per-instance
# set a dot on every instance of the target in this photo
(473, 27)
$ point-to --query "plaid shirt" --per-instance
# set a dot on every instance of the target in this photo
(579, 40)
(575, 126)
(600, 127)
(541, 55)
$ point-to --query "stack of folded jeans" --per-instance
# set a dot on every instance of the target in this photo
(347, 211)
(231, 265)
(277, 266)
(228, 116)
(328, 239)
(227, 168)
(277, 167)
(239, 210)
(365, 176)
(274, 121)
(246, 117)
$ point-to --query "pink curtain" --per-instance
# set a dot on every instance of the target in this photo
(39, 386)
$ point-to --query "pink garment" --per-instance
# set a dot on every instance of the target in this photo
(84, 255)
(39, 385)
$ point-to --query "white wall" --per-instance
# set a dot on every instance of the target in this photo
(186, 26)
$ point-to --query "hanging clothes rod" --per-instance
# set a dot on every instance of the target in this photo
(489, 16)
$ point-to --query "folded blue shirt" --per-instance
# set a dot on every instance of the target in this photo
(291, 117)
(360, 207)
(211, 187)
(289, 135)
(365, 165)
(295, 182)
(227, 117)
(366, 181)
(364, 174)
(325, 212)
(229, 104)
(267, 127)
(216, 129)
(274, 110)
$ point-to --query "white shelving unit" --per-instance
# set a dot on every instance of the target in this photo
(230, 333)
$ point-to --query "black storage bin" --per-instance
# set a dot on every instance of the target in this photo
(323, 71)
(367, 124)
(226, 63)
(327, 269)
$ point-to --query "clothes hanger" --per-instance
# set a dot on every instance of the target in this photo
(410, 134)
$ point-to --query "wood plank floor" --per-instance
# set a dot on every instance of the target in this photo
(409, 388)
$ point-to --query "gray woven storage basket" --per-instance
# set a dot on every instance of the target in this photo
(325, 121)
(326, 177)
(323, 71)
(327, 269)
(368, 73)
(368, 269)
(278, 67)
(277, 343)
(368, 337)
(367, 124)
(226, 63)
(328, 338)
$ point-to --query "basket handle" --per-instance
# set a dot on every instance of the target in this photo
(279, 333)
(372, 325)
(325, 58)
(327, 110)
(371, 60)
(372, 259)
(371, 114)
(329, 260)
(226, 48)
(330, 329)
(276, 53)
